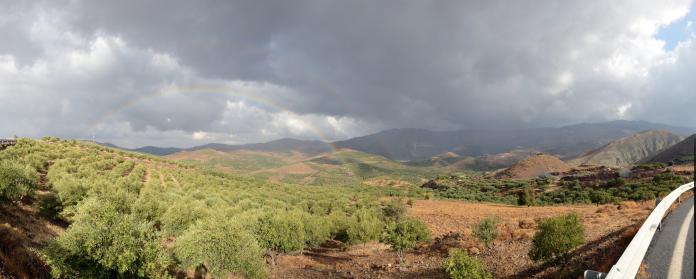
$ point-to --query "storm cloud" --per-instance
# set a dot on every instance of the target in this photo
(186, 72)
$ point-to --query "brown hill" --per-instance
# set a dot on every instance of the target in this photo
(534, 166)
(682, 152)
(629, 150)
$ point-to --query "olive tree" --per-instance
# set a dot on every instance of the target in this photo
(405, 234)
(487, 230)
(364, 226)
(223, 247)
(459, 265)
(102, 242)
(16, 180)
(556, 237)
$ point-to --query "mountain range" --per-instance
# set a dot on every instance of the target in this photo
(412, 144)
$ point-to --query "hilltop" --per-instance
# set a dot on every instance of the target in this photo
(534, 166)
(629, 150)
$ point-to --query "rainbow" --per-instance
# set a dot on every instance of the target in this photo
(225, 89)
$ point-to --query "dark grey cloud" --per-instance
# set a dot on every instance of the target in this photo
(332, 69)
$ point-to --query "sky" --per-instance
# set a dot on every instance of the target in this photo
(184, 73)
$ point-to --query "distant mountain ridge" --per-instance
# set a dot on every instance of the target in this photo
(310, 147)
(629, 150)
(567, 141)
(681, 152)
(412, 144)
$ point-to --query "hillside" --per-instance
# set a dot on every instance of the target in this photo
(679, 153)
(338, 167)
(130, 216)
(534, 166)
(629, 150)
(453, 162)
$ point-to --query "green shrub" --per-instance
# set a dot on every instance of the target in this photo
(526, 197)
(223, 247)
(281, 231)
(601, 197)
(318, 229)
(556, 237)
(339, 222)
(16, 180)
(459, 265)
(177, 218)
(70, 190)
(102, 242)
(50, 206)
(487, 230)
(393, 209)
(364, 226)
(405, 234)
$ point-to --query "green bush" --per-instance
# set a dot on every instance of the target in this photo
(281, 231)
(50, 206)
(487, 230)
(16, 180)
(318, 229)
(393, 209)
(405, 234)
(102, 242)
(223, 247)
(70, 190)
(364, 226)
(526, 197)
(556, 237)
(459, 265)
(601, 197)
(177, 218)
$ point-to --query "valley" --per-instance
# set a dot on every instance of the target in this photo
(337, 207)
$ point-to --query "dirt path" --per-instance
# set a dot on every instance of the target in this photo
(22, 230)
(161, 177)
(147, 178)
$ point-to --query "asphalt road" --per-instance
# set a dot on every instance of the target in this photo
(671, 253)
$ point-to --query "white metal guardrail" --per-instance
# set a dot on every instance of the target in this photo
(627, 266)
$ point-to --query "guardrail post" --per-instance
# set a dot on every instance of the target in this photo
(591, 274)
